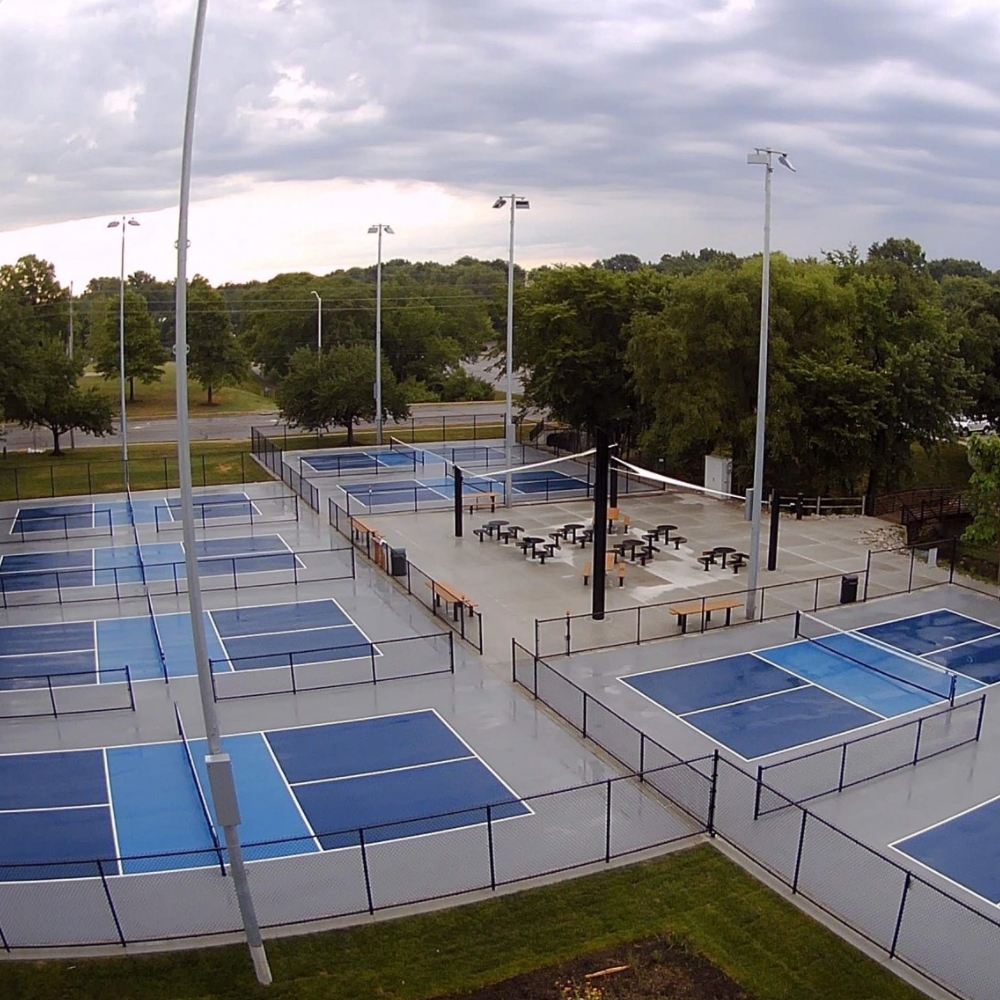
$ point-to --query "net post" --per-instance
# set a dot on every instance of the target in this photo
(953, 685)
(131, 693)
(798, 619)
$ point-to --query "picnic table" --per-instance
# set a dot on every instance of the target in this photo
(723, 550)
(570, 530)
(665, 529)
(493, 527)
(529, 542)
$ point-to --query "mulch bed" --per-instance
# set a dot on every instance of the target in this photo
(657, 969)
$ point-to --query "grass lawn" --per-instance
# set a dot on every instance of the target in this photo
(99, 470)
(159, 398)
(697, 897)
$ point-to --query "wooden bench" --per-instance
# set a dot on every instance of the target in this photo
(478, 501)
(359, 529)
(449, 597)
(609, 566)
(708, 605)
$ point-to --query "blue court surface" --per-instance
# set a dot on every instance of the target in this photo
(364, 461)
(964, 849)
(530, 482)
(104, 515)
(92, 652)
(786, 696)
(122, 563)
(300, 790)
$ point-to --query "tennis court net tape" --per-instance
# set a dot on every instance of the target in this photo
(497, 473)
(656, 477)
(941, 683)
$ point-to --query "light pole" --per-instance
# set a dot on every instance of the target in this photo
(515, 202)
(217, 761)
(380, 228)
(319, 324)
(762, 157)
(124, 223)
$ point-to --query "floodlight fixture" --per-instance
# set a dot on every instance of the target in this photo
(516, 201)
(761, 156)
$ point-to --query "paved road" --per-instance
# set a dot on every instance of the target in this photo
(231, 427)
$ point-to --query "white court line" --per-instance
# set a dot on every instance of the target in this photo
(49, 809)
(934, 826)
(743, 701)
(222, 646)
(291, 793)
(111, 811)
(912, 861)
(385, 770)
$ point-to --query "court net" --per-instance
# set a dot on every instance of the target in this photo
(415, 455)
(903, 668)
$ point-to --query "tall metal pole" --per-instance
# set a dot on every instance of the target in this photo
(69, 347)
(508, 410)
(378, 340)
(319, 324)
(218, 763)
(758, 454)
(121, 361)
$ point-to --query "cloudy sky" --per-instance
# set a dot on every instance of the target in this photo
(626, 122)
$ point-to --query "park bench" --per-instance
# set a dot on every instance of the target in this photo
(480, 501)
(609, 566)
(443, 594)
(705, 606)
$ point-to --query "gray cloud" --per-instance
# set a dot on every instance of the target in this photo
(891, 107)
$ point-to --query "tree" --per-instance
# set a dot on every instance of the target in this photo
(51, 397)
(336, 389)
(571, 340)
(984, 491)
(145, 356)
(214, 357)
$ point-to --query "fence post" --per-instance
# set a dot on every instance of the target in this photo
(364, 865)
(607, 827)
(451, 651)
(916, 745)
(979, 723)
(111, 902)
(638, 624)
(899, 915)
(90, 485)
(489, 835)
(798, 853)
(710, 821)
(4, 942)
(642, 755)
(52, 478)
(52, 697)
(843, 767)
(371, 653)
(868, 573)
(568, 636)
(583, 730)
(756, 794)
(909, 582)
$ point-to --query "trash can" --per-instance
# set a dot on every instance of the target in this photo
(397, 563)
(848, 589)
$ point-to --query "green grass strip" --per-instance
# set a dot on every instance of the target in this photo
(698, 896)
(86, 471)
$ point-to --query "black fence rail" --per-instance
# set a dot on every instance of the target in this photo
(687, 784)
(885, 573)
(335, 873)
(47, 526)
(334, 667)
(809, 776)
(73, 693)
(951, 942)
(134, 580)
(456, 610)
(70, 477)
(267, 452)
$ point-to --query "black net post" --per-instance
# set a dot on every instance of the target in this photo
(458, 502)
(600, 521)
(772, 543)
